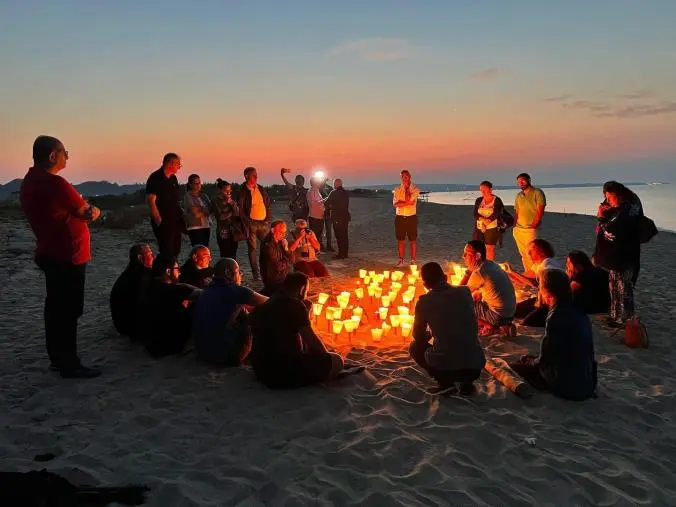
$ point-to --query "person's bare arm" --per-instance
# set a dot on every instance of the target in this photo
(88, 212)
(151, 199)
(295, 243)
(523, 279)
(288, 184)
(257, 299)
(538, 216)
(312, 342)
(313, 240)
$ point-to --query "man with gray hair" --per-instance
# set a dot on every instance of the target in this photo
(220, 326)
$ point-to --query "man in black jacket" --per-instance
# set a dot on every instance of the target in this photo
(325, 189)
(254, 209)
(339, 202)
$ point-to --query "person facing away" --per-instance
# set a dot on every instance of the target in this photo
(405, 200)
(196, 270)
(618, 251)
(162, 196)
(565, 365)
(286, 352)
(59, 217)
(298, 200)
(317, 208)
(275, 259)
(254, 210)
(129, 290)
(196, 211)
(226, 211)
(487, 214)
(529, 208)
(491, 287)
(339, 202)
(219, 324)
(326, 189)
(304, 251)
(166, 320)
(588, 283)
(448, 312)
(533, 311)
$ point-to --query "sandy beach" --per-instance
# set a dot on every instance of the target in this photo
(201, 436)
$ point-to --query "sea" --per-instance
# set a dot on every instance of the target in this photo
(659, 200)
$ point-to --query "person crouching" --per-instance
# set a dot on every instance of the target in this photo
(304, 247)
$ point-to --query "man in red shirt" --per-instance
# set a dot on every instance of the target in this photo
(59, 216)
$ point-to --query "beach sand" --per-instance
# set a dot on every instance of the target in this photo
(202, 436)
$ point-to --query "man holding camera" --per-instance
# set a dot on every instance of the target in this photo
(304, 248)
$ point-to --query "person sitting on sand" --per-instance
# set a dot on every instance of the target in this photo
(566, 364)
(492, 290)
(130, 289)
(286, 351)
(167, 312)
(304, 247)
(455, 354)
(196, 270)
(588, 283)
(275, 258)
(219, 324)
(541, 254)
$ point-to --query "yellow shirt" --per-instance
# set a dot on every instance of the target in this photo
(258, 211)
(400, 195)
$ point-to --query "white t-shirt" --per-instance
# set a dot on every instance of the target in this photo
(316, 203)
(550, 263)
(400, 195)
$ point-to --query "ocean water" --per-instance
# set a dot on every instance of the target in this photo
(659, 201)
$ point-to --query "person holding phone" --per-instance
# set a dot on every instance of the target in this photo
(304, 248)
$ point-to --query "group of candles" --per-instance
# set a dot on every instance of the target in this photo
(380, 303)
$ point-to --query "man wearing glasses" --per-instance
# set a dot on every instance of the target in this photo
(59, 218)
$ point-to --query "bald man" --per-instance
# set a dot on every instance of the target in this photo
(220, 329)
(339, 201)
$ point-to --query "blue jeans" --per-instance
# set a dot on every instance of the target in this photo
(257, 231)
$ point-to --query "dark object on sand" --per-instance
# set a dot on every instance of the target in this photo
(47, 489)
(45, 457)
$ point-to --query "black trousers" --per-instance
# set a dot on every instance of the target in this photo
(168, 237)
(64, 305)
(200, 236)
(327, 228)
(227, 247)
(340, 230)
(443, 377)
(317, 226)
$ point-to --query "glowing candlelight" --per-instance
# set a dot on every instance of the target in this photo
(382, 312)
(378, 292)
(403, 310)
(385, 300)
(346, 294)
(406, 319)
(371, 291)
(337, 326)
(362, 273)
(405, 329)
(394, 320)
(322, 298)
(367, 280)
(337, 313)
(386, 328)
(411, 279)
(356, 319)
(386, 274)
(372, 273)
(359, 292)
(414, 268)
(377, 334)
(358, 310)
(317, 310)
(349, 325)
(342, 302)
(406, 298)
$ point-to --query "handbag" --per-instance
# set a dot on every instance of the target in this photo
(635, 334)
(646, 229)
(237, 229)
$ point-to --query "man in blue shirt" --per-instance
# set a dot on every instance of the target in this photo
(566, 364)
(220, 329)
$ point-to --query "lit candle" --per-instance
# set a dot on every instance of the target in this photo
(346, 294)
(406, 298)
(379, 292)
(372, 273)
(356, 319)
(376, 333)
(358, 310)
(349, 325)
(337, 326)
(367, 280)
(394, 320)
(403, 310)
(362, 273)
(359, 292)
(405, 329)
(382, 312)
(337, 313)
(406, 319)
(322, 298)
(386, 328)
(396, 286)
(317, 310)
(414, 268)
(342, 302)
(386, 274)
(329, 318)
(411, 279)
(371, 290)
(385, 300)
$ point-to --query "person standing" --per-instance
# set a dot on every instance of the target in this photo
(162, 196)
(298, 202)
(317, 208)
(59, 217)
(487, 213)
(228, 221)
(339, 202)
(406, 220)
(529, 208)
(254, 209)
(196, 206)
(325, 189)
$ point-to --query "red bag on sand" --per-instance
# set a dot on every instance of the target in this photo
(635, 334)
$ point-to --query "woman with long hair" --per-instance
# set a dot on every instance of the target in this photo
(487, 212)
(196, 207)
(588, 283)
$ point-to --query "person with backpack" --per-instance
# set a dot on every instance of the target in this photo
(298, 202)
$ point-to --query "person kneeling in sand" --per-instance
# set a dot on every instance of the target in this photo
(286, 351)
(167, 312)
(130, 289)
(305, 246)
(219, 324)
(456, 354)
(196, 270)
(492, 290)
(566, 364)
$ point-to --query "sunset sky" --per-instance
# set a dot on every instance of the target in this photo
(456, 91)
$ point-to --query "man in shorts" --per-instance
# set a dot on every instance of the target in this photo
(406, 220)
(286, 351)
